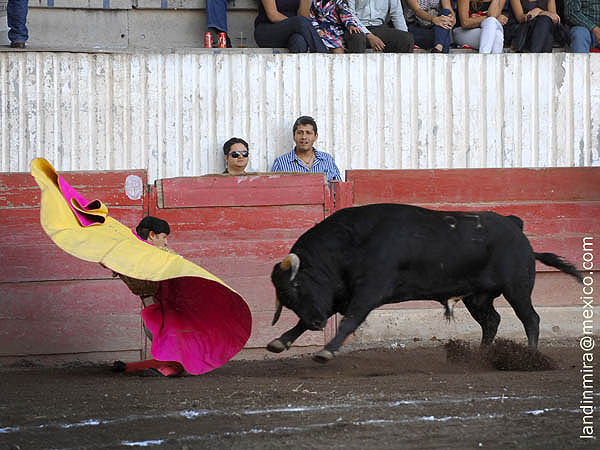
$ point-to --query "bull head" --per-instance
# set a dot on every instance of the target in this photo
(290, 261)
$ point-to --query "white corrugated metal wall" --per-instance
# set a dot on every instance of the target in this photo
(171, 113)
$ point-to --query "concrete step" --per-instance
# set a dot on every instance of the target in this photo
(130, 24)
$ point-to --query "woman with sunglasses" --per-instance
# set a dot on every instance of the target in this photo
(236, 156)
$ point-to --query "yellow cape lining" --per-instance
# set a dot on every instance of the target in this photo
(110, 243)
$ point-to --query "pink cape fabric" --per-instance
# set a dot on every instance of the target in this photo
(75, 198)
(190, 327)
(197, 322)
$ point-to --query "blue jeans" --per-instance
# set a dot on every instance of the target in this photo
(582, 40)
(16, 18)
(427, 38)
(216, 14)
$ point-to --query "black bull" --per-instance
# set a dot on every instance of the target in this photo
(361, 258)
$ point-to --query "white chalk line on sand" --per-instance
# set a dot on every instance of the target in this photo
(197, 413)
(338, 422)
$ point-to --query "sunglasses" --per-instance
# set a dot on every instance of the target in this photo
(236, 155)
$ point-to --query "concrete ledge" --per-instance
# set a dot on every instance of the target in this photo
(81, 4)
(92, 30)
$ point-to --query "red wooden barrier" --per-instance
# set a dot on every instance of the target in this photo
(52, 302)
(559, 207)
(239, 227)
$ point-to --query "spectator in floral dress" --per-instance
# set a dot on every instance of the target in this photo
(331, 18)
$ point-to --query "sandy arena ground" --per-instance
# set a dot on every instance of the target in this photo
(389, 397)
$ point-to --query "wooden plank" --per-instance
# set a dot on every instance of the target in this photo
(28, 254)
(22, 226)
(45, 262)
(539, 218)
(249, 190)
(19, 190)
(68, 336)
(258, 291)
(59, 299)
(263, 332)
(343, 194)
(557, 289)
(551, 289)
(475, 185)
(68, 317)
(224, 220)
(70, 359)
(569, 247)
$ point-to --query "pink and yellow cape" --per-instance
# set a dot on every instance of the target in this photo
(197, 319)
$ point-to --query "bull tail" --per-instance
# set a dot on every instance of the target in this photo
(550, 259)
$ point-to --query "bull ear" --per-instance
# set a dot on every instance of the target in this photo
(292, 260)
(278, 307)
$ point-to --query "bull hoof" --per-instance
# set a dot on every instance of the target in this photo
(276, 346)
(323, 356)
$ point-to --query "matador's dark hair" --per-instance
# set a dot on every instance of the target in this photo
(150, 223)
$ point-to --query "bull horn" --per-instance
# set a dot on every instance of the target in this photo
(278, 307)
(292, 260)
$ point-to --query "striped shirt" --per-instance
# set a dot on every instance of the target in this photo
(323, 163)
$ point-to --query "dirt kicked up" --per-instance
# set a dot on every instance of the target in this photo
(389, 397)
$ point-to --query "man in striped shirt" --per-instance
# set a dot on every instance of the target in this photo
(304, 157)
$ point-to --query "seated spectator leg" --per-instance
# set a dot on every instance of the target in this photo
(304, 27)
(216, 18)
(423, 37)
(541, 37)
(278, 34)
(499, 41)
(355, 42)
(471, 37)
(581, 39)
(16, 18)
(297, 44)
(489, 36)
(395, 41)
(442, 35)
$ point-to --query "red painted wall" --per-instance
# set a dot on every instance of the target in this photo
(238, 227)
(235, 227)
(53, 304)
